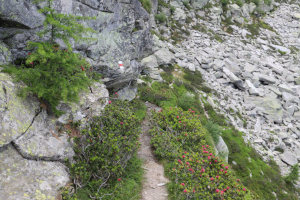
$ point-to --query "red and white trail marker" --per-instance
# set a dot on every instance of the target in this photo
(121, 66)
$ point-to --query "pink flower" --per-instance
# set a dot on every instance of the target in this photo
(179, 121)
(119, 179)
(222, 192)
(217, 176)
(217, 190)
(222, 165)
(237, 180)
(228, 187)
(121, 123)
(226, 167)
(109, 102)
(182, 184)
(222, 170)
(185, 191)
(244, 189)
(194, 190)
(191, 170)
(187, 163)
(216, 160)
(202, 170)
(183, 156)
(177, 117)
(210, 154)
(185, 152)
(225, 172)
(208, 157)
(179, 161)
(211, 178)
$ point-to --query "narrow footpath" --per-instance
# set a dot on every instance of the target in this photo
(154, 184)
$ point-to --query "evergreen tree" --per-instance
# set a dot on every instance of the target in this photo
(52, 73)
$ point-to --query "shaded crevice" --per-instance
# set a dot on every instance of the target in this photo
(4, 23)
(5, 94)
(35, 157)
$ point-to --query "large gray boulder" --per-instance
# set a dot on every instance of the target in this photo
(222, 149)
(43, 141)
(164, 57)
(91, 103)
(122, 31)
(269, 105)
(16, 114)
(23, 179)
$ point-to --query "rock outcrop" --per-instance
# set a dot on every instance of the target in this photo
(122, 32)
(33, 144)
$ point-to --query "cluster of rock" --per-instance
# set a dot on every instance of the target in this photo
(257, 77)
(122, 33)
(32, 148)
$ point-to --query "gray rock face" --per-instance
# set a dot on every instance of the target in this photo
(24, 179)
(122, 31)
(42, 141)
(91, 103)
(16, 114)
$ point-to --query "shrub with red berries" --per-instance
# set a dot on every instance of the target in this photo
(194, 170)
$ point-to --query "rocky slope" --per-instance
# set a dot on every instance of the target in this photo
(255, 74)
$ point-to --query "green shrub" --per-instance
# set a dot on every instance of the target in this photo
(147, 5)
(264, 179)
(187, 5)
(51, 73)
(104, 148)
(162, 3)
(161, 18)
(168, 77)
(179, 138)
(214, 130)
(293, 177)
(172, 10)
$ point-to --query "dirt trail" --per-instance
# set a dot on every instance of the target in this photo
(154, 185)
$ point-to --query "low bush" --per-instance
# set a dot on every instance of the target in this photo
(147, 5)
(179, 138)
(103, 150)
(161, 18)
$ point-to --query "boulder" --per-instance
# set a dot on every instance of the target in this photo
(23, 179)
(197, 4)
(128, 93)
(91, 103)
(222, 149)
(164, 57)
(234, 79)
(16, 113)
(266, 79)
(289, 158)
(269, 105)
(43, 142)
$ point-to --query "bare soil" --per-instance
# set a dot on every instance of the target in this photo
(154, 184)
